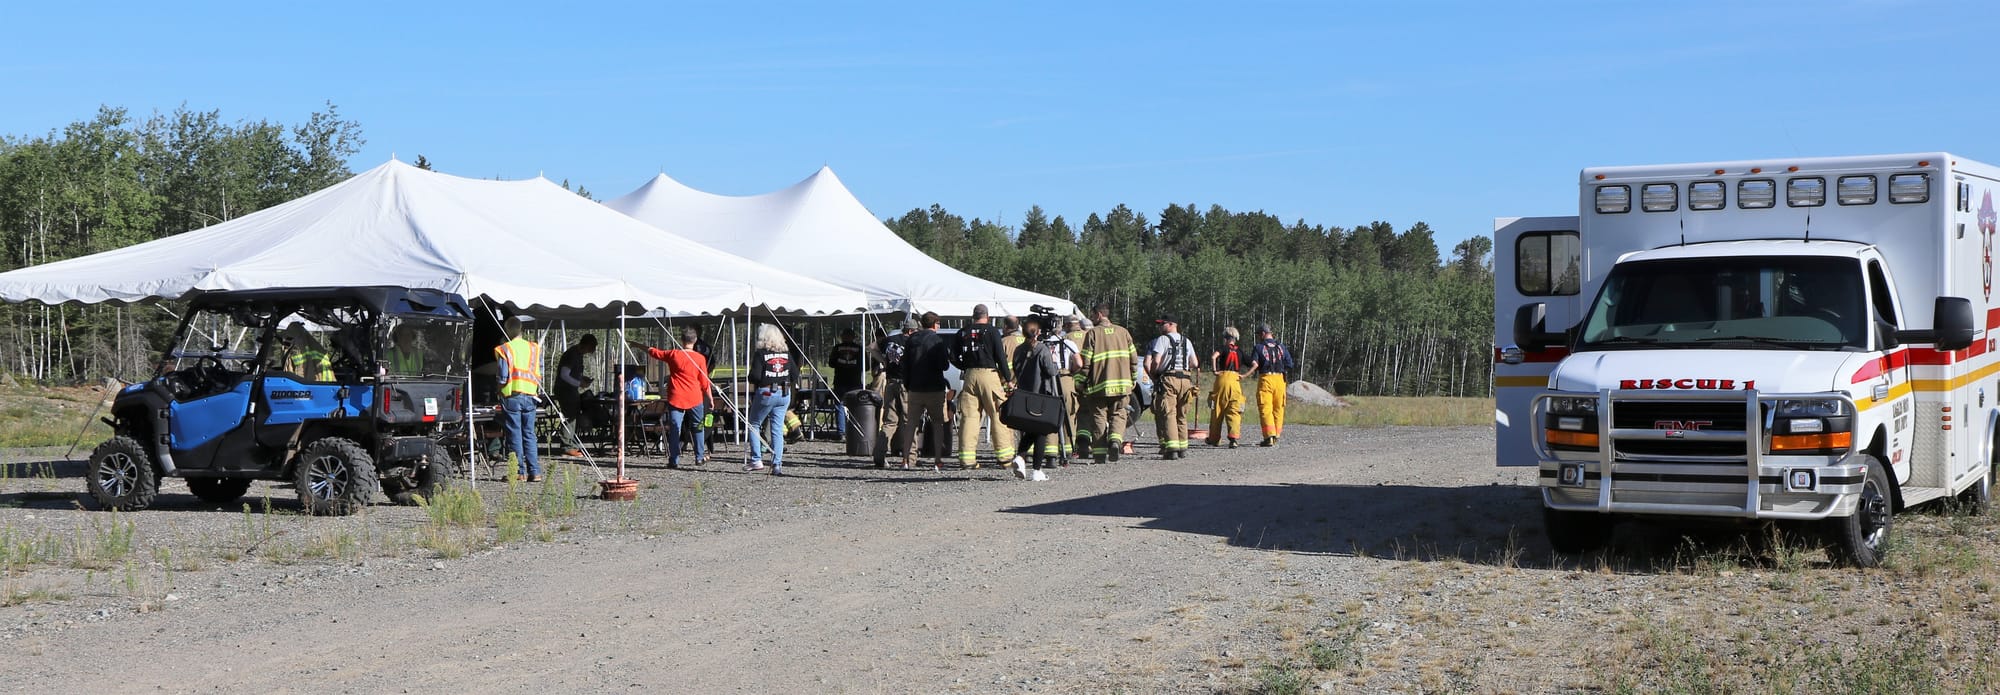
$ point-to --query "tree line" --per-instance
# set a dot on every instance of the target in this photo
(114, 180)
(1368, 310)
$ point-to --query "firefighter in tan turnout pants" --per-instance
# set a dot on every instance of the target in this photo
(1172, 362)
(1107, 373)
(987, 371)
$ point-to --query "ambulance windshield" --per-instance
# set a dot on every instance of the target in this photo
(1759, 302)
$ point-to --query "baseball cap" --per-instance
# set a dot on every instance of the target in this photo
(1167, 318)
(1263, 328)
(910, 324)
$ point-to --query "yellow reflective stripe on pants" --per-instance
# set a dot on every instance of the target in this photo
(980, 399)
(1170, 411)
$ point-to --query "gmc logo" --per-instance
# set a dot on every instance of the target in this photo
(1682, 424)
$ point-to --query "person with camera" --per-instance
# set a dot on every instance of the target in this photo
(1107, 353)
(1172, 363)
(985, 365)
(1042, 364)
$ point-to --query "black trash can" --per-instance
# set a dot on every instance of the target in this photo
(862, 405)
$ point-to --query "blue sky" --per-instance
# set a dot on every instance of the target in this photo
(1336, 112)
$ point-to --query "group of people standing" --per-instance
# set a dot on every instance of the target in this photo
(1092, 364)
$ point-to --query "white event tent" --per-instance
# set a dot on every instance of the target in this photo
(817, 228)
(528, 244)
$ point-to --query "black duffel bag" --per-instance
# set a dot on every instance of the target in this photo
(1033, 413)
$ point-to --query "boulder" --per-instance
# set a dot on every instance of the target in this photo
(1311, 394)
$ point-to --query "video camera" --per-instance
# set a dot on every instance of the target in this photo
(1046, 316)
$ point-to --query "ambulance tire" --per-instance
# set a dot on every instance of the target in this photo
(1858, 539)
(1575, 533)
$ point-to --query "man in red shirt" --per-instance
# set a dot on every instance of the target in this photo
(687, 389)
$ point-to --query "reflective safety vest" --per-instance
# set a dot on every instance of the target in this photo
(410, 362)
(523, 360)
(312, 364)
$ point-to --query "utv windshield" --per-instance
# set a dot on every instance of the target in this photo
(422, 346)
(1777, 302)
(228, 336)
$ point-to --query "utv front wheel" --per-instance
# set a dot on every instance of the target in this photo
(218, 490)
(121, 475)
(429, 478)
(334, 477)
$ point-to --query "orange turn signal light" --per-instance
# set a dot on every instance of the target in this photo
(1808, 442)
(1587, 440)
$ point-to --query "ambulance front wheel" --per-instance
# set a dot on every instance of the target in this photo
(1572, 533)
(1858, 539)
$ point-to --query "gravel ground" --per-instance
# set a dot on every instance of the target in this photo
(1349, 560)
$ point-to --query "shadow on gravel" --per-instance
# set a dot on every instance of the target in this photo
(1488, 524)
(1498, 525)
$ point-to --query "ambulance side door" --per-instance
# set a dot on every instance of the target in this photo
(1535, 259)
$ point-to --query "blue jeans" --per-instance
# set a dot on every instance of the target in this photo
(519, 425)
(767, 422)
(679, 421)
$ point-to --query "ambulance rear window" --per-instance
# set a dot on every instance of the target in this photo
(1547, 264)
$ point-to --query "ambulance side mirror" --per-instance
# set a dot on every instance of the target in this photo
(1952, 325)
(1531, 330)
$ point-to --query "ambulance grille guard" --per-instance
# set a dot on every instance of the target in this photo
(1714, 466)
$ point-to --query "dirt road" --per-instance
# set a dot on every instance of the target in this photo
(1143, 575)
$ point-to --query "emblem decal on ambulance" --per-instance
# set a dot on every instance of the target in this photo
(1987, 219)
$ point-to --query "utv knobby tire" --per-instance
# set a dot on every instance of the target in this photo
(1575, 533)
(334, 476)
(1857, 540)
(430, 477)
(121, 476)
(218, 490)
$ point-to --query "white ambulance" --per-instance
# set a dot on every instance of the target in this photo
(1804, 341)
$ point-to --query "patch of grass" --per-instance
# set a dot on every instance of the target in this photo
(43, 416)
(1278, 679)
(15, 596)
(1383, 411)
(455, 505)
(106, 544)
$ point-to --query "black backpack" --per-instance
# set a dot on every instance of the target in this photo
(971, 343)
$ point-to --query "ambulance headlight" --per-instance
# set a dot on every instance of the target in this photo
(1574, 405)
(1612, 200)
(1810, 407)
(1814, 426)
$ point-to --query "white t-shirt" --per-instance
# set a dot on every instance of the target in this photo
(1169, 362)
